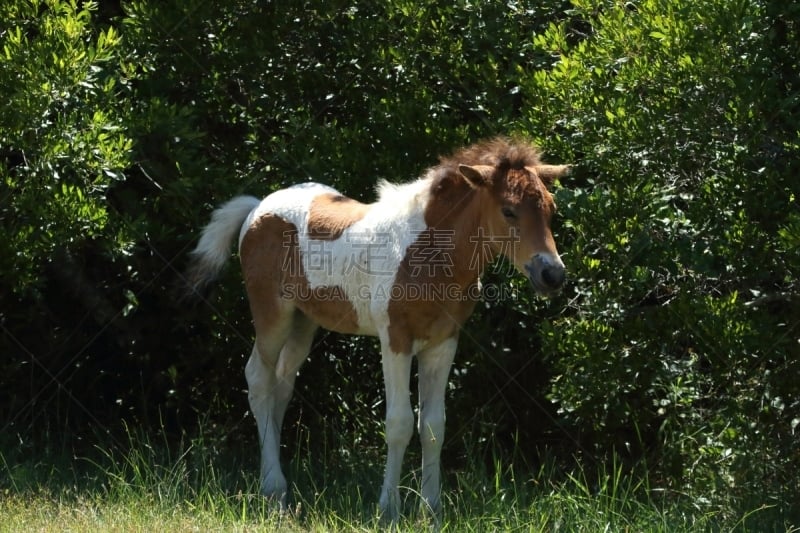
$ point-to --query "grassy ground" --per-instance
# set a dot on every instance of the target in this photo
(144, 489)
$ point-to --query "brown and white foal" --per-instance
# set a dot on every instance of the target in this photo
(405, 269)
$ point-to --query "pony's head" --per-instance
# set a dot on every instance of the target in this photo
(516, 211)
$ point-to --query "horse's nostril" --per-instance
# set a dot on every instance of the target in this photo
(553, 276)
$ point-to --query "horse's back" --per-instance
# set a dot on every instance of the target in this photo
(292, 203)
(293, 253)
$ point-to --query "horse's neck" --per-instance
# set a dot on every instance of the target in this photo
(471, 249)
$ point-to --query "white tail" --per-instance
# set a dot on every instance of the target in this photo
(214, 247)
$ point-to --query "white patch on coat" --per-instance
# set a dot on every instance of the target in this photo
(364, 260)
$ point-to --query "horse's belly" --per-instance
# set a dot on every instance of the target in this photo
(334, 309)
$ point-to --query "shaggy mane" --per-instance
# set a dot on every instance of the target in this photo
(501, 152)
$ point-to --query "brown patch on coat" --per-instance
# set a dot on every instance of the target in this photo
(330, 214)
(276, 282)
(437, 309)
(439, 273)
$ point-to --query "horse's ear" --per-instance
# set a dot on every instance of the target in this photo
(477, 175)
(550, 173)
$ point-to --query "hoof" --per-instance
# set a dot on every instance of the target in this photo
(389, 508)
(432, 515)
(276, 496)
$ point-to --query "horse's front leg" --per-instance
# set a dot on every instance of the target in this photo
(434, 369)
(399, 427)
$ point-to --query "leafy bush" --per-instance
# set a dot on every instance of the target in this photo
(63, 138)
(682, 322)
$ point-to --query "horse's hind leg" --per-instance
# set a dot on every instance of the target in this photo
(279, 351)
(262, 385)
(293, 354)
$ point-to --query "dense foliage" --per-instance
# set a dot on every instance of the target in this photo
(675, 345)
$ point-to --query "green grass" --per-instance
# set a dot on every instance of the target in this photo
(148, 489)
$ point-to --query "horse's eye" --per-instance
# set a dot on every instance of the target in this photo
(509, 213)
